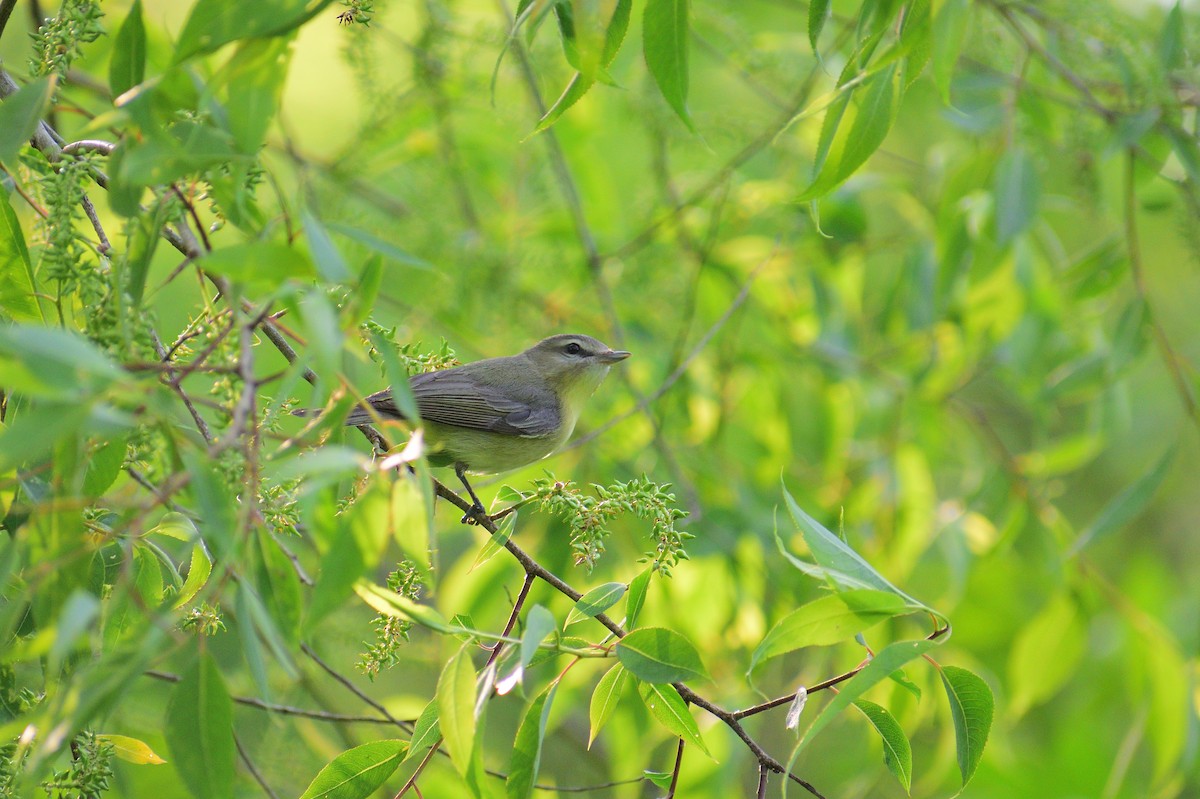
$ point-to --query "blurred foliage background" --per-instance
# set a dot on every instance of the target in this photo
(964, 335)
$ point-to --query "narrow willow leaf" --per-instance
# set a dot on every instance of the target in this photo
(971, 707)
(199, 731)
(1045, 654)
(325, 254)
(426, 732)
(390, 603)
(357, 773)
(527, 747)
(829, 620)
(596, 601)
(260, 263)
(456, 709)
(1172, 44)
(20, 114)
(538, 624)
(659, 655)
(18, 286)
(197, 576)
(496, 541)
(665, 45)
(131, 750)
(254, 78)
(834, 555)
(877, 101)
(1017, 190)
(949, 34)
(128, 65)
(897, 751)
(886, 661)
(213, 23)
(637, 597)
(605, 699)
(1167, 676)
(818, 14)
(1125, 506)
(668, 707)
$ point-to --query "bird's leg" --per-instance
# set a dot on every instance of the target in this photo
(460, 469)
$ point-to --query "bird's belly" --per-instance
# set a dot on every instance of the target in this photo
(486, 452)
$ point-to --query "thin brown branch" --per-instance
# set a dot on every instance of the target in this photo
(1170, 357)
(675, 770)
(352, 688)
(254, 772)
(288, 710)
(512, 618)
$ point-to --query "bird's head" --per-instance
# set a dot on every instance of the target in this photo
(573, 364)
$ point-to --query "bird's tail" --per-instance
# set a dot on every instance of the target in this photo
(359, 415)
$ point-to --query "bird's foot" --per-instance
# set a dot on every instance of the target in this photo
(473, 514)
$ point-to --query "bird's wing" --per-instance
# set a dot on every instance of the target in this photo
(450, 398)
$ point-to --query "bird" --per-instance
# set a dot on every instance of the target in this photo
(500, 414)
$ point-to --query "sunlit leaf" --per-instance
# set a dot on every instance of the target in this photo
(659, 655)
(605, 698)
(131, 750)
(829, 620)
(456, 708)
(668, 707)
(526, 756)
(20, 114)
(358, 772)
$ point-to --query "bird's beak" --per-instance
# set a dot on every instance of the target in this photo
(613, 356)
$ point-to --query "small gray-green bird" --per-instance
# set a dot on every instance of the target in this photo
(500, 414)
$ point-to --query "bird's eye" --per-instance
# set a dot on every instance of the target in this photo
(573, 349)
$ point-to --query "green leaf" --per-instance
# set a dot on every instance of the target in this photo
(605, 699)
(197, 576)
(849, 150)
(19, 117)
(1045, 654)
(496, 541)
(538, 624)
(329, 261)
(668, 707)
(596, 601)
(886, 661)
(1017, 192)
(949, 34)
(659, 655)
(637, 597)
(456, 709)
(214, 23)
(199, 731)
(18, 286)
(177, 526)
(580, 83)
(843, 565)
(818, 14)
(260, 263)
(131, 750)
(665, 45)
(1172, 43)
(128, 65)
(104, 466)
(971, 707)
(897, 751)
(357, 773)
(53, 362)
(1125, 506)
(77, 615)
(426, 732)
(392, 604)
(527, 747)
(1167, 676)
(384, 248)
(255, 77)
(829, 620)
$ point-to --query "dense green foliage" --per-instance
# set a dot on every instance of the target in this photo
(931, 262)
